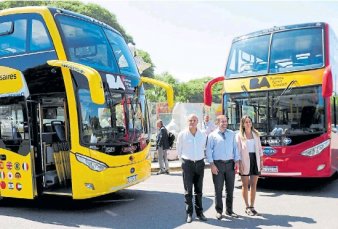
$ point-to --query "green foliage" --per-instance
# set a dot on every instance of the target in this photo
(191, 91)
(90, 9)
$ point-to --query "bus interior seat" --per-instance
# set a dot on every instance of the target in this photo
(59, 128)
(307, 115)
(47, 127)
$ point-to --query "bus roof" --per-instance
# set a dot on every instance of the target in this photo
(278, 29)
(45, 9)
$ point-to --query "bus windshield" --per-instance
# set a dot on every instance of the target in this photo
(92, 45)
(278, 52)
(296, 111)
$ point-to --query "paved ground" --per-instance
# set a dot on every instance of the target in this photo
(159, 203)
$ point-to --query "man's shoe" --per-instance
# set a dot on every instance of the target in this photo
(218, 216)
(160, 172)
(232, 214)
(167, 171)
(189, 218)
(202, 217)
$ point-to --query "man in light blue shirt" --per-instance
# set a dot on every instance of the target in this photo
(223, 156)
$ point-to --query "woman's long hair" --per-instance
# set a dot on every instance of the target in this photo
(242, 128)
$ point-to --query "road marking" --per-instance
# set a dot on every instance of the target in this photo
(110, 213)
(111, 201)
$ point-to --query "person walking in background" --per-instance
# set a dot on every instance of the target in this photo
(223, 157)
(207, 125)
(249, 145)
(190, 148)
(162, 145)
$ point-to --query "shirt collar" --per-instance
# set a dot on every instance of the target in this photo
(220, 132)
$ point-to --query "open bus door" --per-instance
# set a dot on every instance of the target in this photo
(17, 177)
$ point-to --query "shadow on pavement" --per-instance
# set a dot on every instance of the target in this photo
(324, 187)
(129, 209)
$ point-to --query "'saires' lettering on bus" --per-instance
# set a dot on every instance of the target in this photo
(255, 83)
(8, 77)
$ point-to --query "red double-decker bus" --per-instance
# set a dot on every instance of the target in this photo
(285, 78)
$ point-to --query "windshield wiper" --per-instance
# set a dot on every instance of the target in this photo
(286, 90)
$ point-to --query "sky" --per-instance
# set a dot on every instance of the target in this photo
(191, 39)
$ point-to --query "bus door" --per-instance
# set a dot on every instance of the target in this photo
(16, 153)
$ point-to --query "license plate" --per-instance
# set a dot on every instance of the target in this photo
(270, 169)
(131, 179)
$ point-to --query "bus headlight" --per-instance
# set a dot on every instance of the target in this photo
(313, 151)
(91, 163)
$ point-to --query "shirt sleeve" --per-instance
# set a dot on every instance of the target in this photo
(210, 149)
(179, 145)
(237, 155)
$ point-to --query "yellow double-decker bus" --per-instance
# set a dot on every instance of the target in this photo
(286, 79)
(73, 113)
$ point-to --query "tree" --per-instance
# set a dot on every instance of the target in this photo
(191, 91)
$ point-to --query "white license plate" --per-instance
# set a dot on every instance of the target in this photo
(131, 178)
(270, 169)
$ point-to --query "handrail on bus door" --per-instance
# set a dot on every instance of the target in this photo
(169, 89)
(93, 77)
(208, 90)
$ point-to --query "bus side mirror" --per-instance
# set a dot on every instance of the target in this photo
(327, 82)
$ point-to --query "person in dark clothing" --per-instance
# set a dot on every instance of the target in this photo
(162, 145)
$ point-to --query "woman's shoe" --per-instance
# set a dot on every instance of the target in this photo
(254, 211)
(249, 211)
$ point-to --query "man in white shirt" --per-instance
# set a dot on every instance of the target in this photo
(190, 148)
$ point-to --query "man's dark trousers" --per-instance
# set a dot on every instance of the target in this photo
(193, 173)
(226, 173)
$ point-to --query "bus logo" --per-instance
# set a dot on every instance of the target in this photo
(268, 151)
(287, 141)
(255, 84)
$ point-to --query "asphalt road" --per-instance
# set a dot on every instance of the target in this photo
(159, 203)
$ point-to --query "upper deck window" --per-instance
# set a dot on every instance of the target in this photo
(249, 57)
(24, 33)
(122, 53)
(86, 43)
(288, 51)
(296, 50)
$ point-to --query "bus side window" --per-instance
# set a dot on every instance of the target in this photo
(40, 39)
(14, 43)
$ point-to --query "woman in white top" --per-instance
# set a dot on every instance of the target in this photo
(249, 146)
